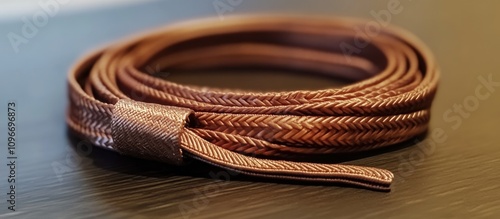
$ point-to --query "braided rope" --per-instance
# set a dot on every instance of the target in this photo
(389, 104)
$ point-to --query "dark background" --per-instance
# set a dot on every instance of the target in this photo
(457, 178)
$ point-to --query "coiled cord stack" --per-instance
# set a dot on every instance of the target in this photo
(116, 104)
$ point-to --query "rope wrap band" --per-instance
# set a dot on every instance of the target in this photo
(148, 130)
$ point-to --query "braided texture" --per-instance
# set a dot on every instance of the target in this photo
(254, 132)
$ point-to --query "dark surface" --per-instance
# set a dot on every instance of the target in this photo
(458, 179)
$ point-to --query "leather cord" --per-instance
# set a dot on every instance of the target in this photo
(116, 104)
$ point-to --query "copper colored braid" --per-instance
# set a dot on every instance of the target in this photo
(115, 104)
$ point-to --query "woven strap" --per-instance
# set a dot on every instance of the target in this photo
(147, 130)
(116, 103)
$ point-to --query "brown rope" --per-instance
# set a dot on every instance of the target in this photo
(115, 104)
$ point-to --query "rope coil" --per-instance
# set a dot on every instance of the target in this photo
(257, 133)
